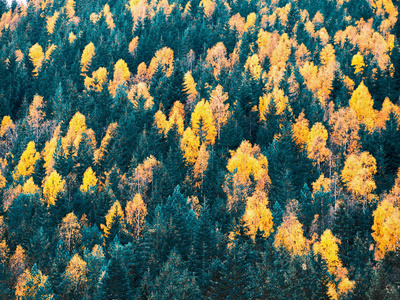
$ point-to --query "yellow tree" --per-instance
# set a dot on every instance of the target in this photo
(257, 215)
(86, 58)
(328, 249)
(216, 56)
(218, 107)
(36, 55)
(75, 275)
(386, 228)
(278, 96)
(358, 63)
(362, 103)
(321, 184)
(164, 59)
(18, 262)
(36, 114)
(201, 163)
(114, 217)
(203, 124)
(102, 151)
(190, 144)
(30, 188)
(209, 7)
(98, 79)
(89, 181)
(70, 231)
(136, 211)
(358, 174)
(121, 75)
(53, 186)
(133, 45)
(51, 22)
(253, 66)
(301, 131)
(290, 235)
(26, 165)
(190, 89)
(317, 138)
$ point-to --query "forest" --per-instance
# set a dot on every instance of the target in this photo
(200, 149)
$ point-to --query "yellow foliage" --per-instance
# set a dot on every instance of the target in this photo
(26, 165)
(253, 66)
(70, 8)
(163, 58)
(316, 146)
(247, 162)
(237, 22)
(89, 181)
(115, 213)
(382, 116)
(328, 249)
(96, 82)
(109, 17)
(87, 56)
(218, 107)
(177, 117)
(216, 56)
(70, 230)
(201, 163)
(53, 186)
(121, 75)
(102, 151)
(3, 180)
(30, 188)
(358, 63)
(36, 55)
(301, 131)
(278, 96)
(209, 7)
(257, 215)
(190, 88)
(190, 144)
(362, 103)
(321, 184)
(138, 91)
(161, 122)
(76, 271)
(51, 22)
(250, 21)
(358, 172)
(6, 125)
(94, 17)
(71, 37)
(133, 45)
(49, 51)
(48, 151)
(290, 236)
(136, 211)
(386, 228)
(203, 124)
(143, 174)
(345, 125)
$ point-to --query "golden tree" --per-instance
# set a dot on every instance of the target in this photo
(386, 228)
(75, 275)
(96, 82)
(253, 66)
(190, 89)
(358, 63)
(301, 131)
(358, 174)
(257, 215)
(362, 103)
(86, 58)
(317, 138)
(36, 55)
(218, 107)
(26, 165)
(89, 181)
(321, 184)
(136, 211)
(190, 144)
(102, 151)
(121, 75)
(115, 214)
(51, 22)
(203, 124)
(18, 262)
(70, 231)
(209, 7)
(30, 188)
(53, 186)
(36, 114)
(278, 96)
(290, 235)
(133, 45)
(164, 59)
(201, 163)
(216, 56)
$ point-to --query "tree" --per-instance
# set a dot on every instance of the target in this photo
(317, 149)
(88, 53)
(203, 124)
(136, 211)
(114, 221)
(218, 107)
(70, 231)
(358, 172)
(37, 285)
(26, 165)
(75, 277)
(362, 103)
(36, 55)
(89, 181)
(190, 144)
(53, 186)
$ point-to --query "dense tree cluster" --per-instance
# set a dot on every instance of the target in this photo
(216, 149)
